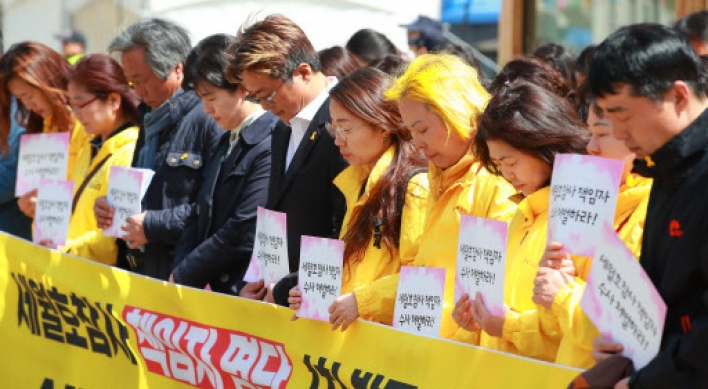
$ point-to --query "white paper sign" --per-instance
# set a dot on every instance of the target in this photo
(320, 276)
(126, 188)
(269, 261)
(481, 261)
(622, 302)
(41, 156)
(53, 212)
(584, 192)
(419, 301)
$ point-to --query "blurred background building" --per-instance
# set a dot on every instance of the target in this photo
(499, 29)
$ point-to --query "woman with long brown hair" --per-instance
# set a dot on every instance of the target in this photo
(385, 190)
(37, 77)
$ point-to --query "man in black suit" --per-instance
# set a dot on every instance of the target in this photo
(280, 69)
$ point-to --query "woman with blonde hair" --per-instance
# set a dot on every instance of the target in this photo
(441, 99)
(37, 77)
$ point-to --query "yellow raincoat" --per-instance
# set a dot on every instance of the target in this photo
(521, 333)
(85, 239)
(376, 263)
(465, 188)
(78, 140)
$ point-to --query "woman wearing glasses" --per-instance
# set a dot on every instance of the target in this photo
(104, 103)
(386, 193)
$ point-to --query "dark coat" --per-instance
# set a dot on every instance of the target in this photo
(218, 238)
(185, 147)
(675, 256)
(306, 192)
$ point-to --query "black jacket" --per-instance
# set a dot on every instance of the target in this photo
(675, 256)
(185, 147)
(306, 192)
(217, 241)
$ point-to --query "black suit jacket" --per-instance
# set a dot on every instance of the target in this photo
(217, 241)
(306, 192)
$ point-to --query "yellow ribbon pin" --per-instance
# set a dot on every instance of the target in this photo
(183, 157)
(649, 161)
(312, 137)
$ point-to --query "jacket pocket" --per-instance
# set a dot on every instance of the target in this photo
(185, 174)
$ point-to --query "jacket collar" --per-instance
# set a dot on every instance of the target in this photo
(535, 204)
(675, 159)
(181, 104)
(117, 140)
(254, 133)
(349, 181)
(442, 180)
(631, 193)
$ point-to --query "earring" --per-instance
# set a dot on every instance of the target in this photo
(385, 138)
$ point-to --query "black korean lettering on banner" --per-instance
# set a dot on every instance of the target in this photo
(71, 319)
(359, 379)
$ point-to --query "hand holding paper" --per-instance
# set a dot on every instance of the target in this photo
(584, 192)
(320, 276)
(622, 302)
(269, 260)
(126, 188)
(419, 301)
(41, 156)
(54, 199)
(481, 261)
(104, 213)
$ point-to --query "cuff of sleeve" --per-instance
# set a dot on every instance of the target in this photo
(464, 336)
(363, 296)
(511, 328)
(563, 299)
(149, 226)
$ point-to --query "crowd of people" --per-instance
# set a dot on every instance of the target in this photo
(360, 144)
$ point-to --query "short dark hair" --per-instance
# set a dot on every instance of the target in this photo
(370, 45)
(391, 64)
(337, 61)
(275, 46)
(694, 26)
(207, 62)
(534, 71)
(559, 58)
(649, 58)
(582, 63)
(532, 120)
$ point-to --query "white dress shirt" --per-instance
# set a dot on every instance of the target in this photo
(302, 120)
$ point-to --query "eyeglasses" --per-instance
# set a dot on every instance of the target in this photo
(84, 104)
(339, 132)
(265, 100)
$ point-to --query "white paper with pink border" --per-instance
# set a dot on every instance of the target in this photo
(53, 211)
(41, 156)
(419, 301)
(481, 261)
(622, 302)
(320, 276)
(126, 188)
(584, 193)
(269, 261)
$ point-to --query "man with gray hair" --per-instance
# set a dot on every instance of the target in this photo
(176, 139)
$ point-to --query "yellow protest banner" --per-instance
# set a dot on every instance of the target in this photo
(66, 322)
